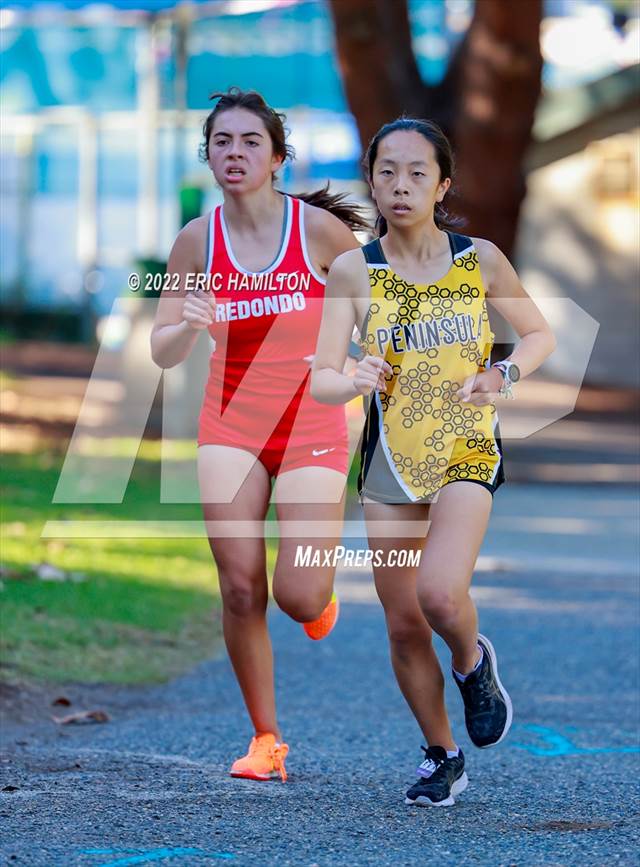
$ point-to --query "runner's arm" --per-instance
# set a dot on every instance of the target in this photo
(328, 382)
(327, 238)
(181, 315)
(507, 295)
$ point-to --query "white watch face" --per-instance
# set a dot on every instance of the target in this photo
(513, 371)
(509, 369)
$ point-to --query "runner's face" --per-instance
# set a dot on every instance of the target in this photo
(240, 152)
(405, 180)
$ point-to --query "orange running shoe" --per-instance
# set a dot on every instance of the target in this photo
(320, 628)
(264, 761)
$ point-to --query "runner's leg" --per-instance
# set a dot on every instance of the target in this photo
(459, 521)
(307, 495)
(413, 656)
(242, 572)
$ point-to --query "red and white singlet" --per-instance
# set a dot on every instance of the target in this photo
(257, 396)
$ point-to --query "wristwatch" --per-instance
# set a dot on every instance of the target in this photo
(510, 374)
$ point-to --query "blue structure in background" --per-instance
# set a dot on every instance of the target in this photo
(288, 50)
(90, 60)
(86, 59)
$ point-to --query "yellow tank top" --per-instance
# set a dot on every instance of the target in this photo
(433, 336)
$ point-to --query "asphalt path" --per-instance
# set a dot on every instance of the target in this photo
(557, 591)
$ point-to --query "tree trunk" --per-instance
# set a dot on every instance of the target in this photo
(486, 102)
(377, 64)
(497, 84)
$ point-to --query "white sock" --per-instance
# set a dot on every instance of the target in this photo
(451, 754)
(463, 677)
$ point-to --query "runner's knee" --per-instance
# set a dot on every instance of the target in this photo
(441, 608)
(302, 607)
(406, 632)
(243, 596)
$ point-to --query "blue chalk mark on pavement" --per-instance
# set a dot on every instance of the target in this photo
(144, 856)
(556, 744)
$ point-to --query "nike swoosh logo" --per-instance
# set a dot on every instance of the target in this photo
(317, 452)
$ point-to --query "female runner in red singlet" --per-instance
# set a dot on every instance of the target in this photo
(266, 256)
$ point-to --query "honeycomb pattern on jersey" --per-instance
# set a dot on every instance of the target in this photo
(468, 261)
(431, 436)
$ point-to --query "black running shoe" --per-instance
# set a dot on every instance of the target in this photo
(440, 779)
(487, 707)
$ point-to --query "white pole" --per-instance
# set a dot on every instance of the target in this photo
(148, 141)
(87, 233)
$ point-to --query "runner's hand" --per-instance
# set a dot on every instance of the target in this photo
(370, 374)
(482, 388)
(198, 309)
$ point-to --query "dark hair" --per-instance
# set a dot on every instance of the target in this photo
(444, 156)
(274, 122)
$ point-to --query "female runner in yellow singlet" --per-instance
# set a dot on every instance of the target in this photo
(431, 451)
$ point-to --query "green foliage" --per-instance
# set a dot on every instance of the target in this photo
(130, 610)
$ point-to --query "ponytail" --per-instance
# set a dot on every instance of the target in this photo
(350, 214)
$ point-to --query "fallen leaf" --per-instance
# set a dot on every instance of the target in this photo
(63, 700)
(84, 716)
(47, 572)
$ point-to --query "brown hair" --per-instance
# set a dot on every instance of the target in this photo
(274, 122)
(444, 156)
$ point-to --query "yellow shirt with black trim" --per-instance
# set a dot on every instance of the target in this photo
(418, 435)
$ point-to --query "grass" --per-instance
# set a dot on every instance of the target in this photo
(129, 611)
